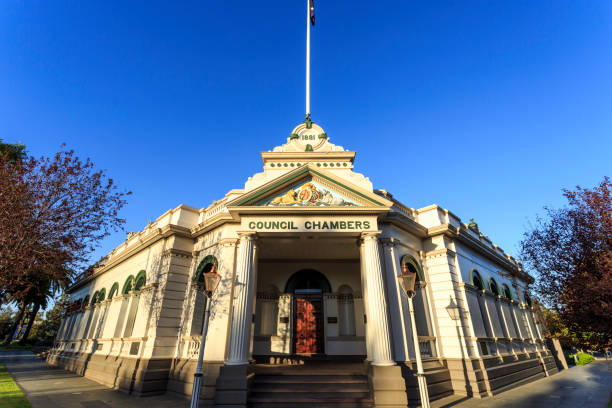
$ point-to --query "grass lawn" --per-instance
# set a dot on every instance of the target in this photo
(10, 394)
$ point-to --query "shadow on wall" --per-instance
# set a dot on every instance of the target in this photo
(121, 369)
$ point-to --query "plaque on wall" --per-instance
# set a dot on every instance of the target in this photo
(332, 320)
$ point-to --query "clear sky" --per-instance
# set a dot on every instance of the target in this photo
(486, 108)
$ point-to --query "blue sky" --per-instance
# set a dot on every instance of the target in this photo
(486, 108)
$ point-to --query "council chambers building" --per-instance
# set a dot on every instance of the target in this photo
(309, 310)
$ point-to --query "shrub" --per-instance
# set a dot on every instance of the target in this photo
(584, 358)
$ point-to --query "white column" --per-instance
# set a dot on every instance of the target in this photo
(377, 317)
(242, 308)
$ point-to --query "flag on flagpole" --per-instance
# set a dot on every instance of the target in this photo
(312, 18)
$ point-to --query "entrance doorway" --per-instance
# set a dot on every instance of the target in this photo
(308, 324)
(308, 287)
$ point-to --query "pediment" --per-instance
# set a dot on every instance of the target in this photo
(307, 187)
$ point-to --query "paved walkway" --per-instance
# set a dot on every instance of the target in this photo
(587, 386)
(50, 387)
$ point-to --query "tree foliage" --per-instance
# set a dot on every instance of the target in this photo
(571, 334)
(14, 152)
(571, 251)
(53, 212)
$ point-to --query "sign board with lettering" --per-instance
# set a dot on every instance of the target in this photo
(311, 223)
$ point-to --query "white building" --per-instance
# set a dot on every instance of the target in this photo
(309, 309)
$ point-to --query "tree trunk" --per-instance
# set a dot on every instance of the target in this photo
(11, 330)
(23, 339)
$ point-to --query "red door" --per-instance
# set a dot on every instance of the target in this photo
(308, 337)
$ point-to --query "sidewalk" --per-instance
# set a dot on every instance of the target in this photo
(50, 387)
(588, 386)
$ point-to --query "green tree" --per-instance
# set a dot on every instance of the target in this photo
(14, 152)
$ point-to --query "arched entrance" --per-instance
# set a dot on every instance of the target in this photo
(307, 287)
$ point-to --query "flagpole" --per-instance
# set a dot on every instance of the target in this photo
(307, 58)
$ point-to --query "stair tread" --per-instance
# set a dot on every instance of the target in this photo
(304, 399)
(328, 378)
(309, 389)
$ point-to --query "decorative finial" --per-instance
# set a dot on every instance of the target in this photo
(307, 121)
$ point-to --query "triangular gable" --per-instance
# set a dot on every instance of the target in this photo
(309, 187)
(308, 193)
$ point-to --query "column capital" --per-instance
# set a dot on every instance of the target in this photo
(247, 235)
(229, 242)
(370, 235)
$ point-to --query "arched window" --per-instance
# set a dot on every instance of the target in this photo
(493, 287)
(346, 311)
(507, 292)
(127, 286)
(420, 302)
(113, 290)
(125, 290)
(208, 264)
(139, 281)
(477, 280)
(97, 298)
(101, 295)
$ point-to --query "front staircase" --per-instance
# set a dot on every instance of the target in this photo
(311, 384)
(322, 383)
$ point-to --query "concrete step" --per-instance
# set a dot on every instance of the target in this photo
(301, 370)
(361, 404)
(309, 387)
(311, 379)
(296, 396)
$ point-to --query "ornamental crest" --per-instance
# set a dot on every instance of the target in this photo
(310, 194)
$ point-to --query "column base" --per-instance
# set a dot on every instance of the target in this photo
(388, 386)
(233, 385)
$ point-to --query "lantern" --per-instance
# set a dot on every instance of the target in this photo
(407, 279)
(211, 280)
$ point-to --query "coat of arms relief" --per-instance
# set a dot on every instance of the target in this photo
(309, 193)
